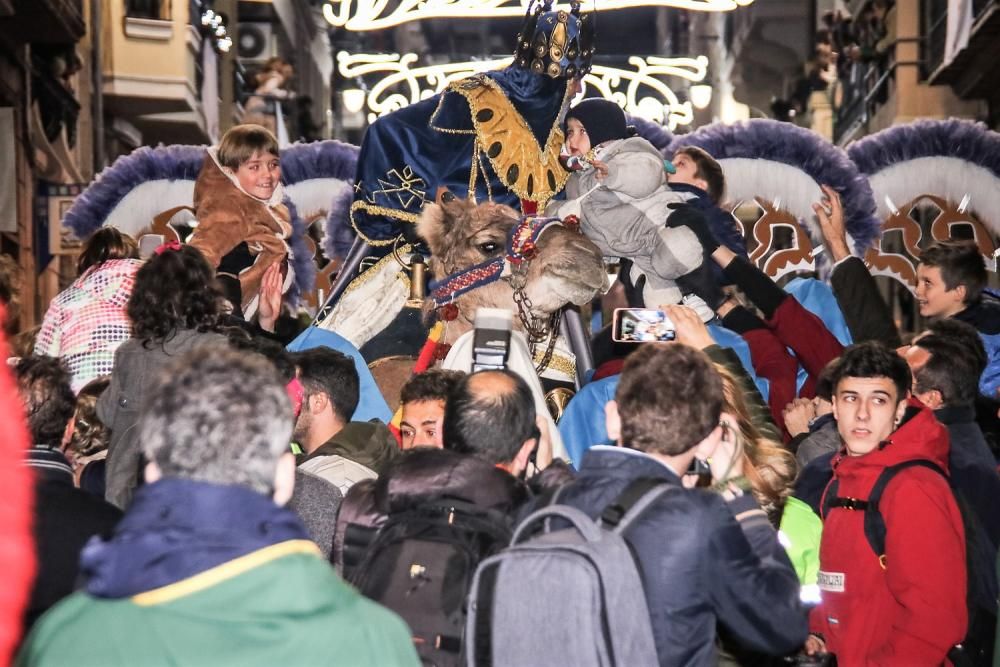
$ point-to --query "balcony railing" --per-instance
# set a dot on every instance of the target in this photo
(934, 31)
(861, 95)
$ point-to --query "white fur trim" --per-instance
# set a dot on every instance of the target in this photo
(362, 313)
(315, 195)
(136, 210)
(947, 177)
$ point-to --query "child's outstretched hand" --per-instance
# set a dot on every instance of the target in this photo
(270, 298)
(602, 169)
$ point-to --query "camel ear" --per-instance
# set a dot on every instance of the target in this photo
(432, 226)
(437, 218)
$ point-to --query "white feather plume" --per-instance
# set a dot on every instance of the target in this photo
(948, 177)
(136, 210)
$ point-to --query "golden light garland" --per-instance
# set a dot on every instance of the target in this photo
(361, 15)
(638, 90)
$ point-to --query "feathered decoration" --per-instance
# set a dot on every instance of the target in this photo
(953, 159)
(317, 173)
(302, 257)
(135, 188)
(786, 164)
(339, 234)
(652, 132)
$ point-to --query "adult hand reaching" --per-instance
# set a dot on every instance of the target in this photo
(688, 326)
(269, 307)
(830, 214)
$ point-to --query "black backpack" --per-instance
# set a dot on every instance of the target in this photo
(977, 647)
(420, 564)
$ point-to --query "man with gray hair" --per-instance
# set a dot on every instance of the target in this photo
(207, 567)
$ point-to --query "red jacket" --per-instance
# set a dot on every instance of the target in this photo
(913, 611)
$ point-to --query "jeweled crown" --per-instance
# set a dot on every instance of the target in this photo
(556, 43)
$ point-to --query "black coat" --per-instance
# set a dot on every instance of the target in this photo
(65, 518)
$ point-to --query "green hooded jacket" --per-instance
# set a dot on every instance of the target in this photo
(280, 605)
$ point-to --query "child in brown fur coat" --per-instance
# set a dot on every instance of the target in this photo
(243, 226)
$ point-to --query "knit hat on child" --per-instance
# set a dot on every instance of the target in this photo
(602, 119)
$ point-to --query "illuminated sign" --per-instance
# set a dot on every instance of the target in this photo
(377, 14)
(394, 82)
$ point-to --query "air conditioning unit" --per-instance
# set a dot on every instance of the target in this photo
(256, 42)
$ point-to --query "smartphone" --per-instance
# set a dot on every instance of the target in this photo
(639, 325)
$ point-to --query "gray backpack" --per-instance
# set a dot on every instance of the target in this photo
(571, 596)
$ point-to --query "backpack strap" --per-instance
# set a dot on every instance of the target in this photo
(829, 495)
(631, 502)
(874, 521)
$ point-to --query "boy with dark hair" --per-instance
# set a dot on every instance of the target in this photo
(243, 226)
(951, 278)
(901, 602)
(697, 173)
(422, 403)
(335, 448)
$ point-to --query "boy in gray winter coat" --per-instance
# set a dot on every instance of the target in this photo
(620, 194)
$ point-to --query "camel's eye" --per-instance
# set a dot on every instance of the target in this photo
(489, 247)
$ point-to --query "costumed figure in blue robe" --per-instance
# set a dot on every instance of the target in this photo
(494, 136)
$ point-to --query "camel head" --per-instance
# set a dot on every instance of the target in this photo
(566, 267)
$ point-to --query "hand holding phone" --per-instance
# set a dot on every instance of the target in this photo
(641, 325)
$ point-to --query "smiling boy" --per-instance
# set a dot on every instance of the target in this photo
(950, 281)
(243, 226)
(905, 606)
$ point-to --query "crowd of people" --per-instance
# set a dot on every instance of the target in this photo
(850, 54)
(203, 495)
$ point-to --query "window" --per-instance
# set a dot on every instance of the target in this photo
(148, 9)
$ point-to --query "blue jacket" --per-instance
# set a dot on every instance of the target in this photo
(698, 567)
(984, 315)
(720, 222)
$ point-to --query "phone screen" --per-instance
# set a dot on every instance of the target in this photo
(638, 325)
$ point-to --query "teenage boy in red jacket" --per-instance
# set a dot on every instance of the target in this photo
(907, 607)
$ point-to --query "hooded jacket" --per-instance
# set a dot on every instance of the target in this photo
(228, 216)
(369, 443)
(86, 322)
(914, 610)
(209, 574)
(624, 216)
(984, 315)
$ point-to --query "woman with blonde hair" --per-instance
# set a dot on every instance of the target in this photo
(760, 462)
(768, 467)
